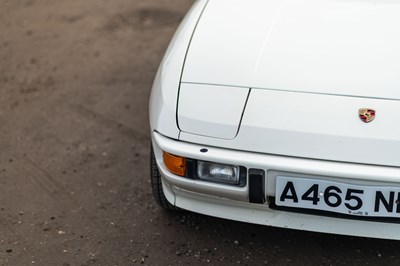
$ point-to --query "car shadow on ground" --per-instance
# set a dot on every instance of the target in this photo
(256, 244)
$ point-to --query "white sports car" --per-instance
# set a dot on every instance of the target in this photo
(282, 113)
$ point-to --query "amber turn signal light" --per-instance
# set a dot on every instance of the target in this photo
(175, 164)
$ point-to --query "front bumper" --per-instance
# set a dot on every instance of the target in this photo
(233, 202)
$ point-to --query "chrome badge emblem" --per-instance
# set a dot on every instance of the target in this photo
(366, 115)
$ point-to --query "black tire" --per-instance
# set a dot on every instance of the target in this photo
(156, 184)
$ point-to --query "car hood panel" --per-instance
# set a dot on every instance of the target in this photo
(315, 126)
(319, 46)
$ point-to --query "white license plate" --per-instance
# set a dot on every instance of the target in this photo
(373, 201)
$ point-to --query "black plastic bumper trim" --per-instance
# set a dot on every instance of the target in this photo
(256, 186)
(273, 206)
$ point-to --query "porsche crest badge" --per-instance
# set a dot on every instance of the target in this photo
(366, 115)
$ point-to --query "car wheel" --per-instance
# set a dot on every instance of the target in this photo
(156, 184)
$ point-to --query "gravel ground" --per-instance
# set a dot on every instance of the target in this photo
(75, 77)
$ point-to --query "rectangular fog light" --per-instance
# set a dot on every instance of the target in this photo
(220, 173)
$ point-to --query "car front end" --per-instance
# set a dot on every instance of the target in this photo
(282, 113)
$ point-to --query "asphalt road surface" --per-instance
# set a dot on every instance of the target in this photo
(75, 77)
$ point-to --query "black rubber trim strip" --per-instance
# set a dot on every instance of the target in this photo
(273, 206)
(256, 186)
